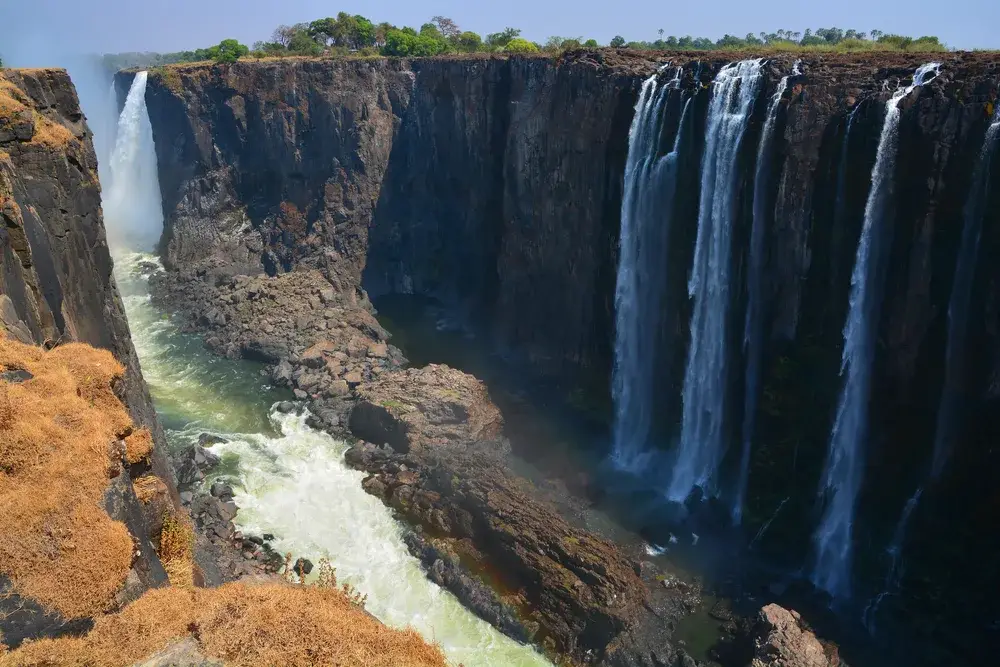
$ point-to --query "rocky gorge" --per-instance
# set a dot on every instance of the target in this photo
(295, 191)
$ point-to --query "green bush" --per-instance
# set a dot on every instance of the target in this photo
(519, 45)
(228, 51)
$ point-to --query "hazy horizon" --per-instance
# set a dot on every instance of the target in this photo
(50, 30)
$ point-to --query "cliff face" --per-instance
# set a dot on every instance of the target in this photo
(495, 186)
(56, 284)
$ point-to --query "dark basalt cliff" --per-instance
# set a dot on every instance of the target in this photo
(494, 185)
(56, 286)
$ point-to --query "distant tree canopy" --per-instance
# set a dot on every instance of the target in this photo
(348, 34)
(834, 39)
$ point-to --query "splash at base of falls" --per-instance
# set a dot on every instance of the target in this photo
(292, 481)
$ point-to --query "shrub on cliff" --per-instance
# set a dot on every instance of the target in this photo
(520, 45)
(229, 51)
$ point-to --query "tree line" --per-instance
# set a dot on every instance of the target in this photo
(348, 34)
(834, 39)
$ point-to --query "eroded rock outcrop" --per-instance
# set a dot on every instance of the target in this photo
(784, 640)
(436, 454)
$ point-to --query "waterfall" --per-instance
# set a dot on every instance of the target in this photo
(753, 327)
(647, 206)
(702, 438)
(842, 477)
(958, 319)
(133, 210)
(961, 295)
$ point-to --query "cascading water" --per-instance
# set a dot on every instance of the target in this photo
(647, 204)
(290, 480)
(961, 295)
(132, 205)
(842, 477)
(753, 328)
(958, 320)
(702, 440)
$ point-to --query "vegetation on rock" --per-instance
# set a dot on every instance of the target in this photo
(59, 435)
(240, 624)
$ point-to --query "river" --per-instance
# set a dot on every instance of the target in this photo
(292, 481)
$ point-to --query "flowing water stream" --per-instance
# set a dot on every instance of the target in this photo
(290, 480)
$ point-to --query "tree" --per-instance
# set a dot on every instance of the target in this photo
(364, 35)
(229, 51)
(283, 35)
(446, 27)
(323, 30)
(381, 30)
(519, 45)
(468, 42)
(618, 41)
(499, 40)
(305, 45)
(591, 44)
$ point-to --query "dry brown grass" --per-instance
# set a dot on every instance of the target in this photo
(12, 100)
(138, 446)
(243, 625)
(59, 546)
(149, 487)
(177, 550)
(50, 133)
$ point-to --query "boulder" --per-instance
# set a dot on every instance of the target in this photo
(222, 491)
(453, 406)
(302, 567)
(208, 439)
(782, 639)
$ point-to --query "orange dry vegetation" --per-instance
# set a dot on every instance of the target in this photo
(11, 98)
(177, 550)
(243, 625)
(57, 436)
(50, 133)
(138, 445)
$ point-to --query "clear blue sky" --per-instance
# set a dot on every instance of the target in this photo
(33, 31)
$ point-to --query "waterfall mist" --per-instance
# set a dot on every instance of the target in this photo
(702, 442)
(133, 209)
(833, 539)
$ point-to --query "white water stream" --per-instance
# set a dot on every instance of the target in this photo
(290, 480)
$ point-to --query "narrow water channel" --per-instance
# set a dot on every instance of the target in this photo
(291, 480)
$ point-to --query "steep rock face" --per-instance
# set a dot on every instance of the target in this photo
(56, 279)
(56, 285)
(502, 199)
(263, 164)
(478, 207)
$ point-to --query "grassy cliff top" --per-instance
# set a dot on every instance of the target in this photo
(21, 114)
